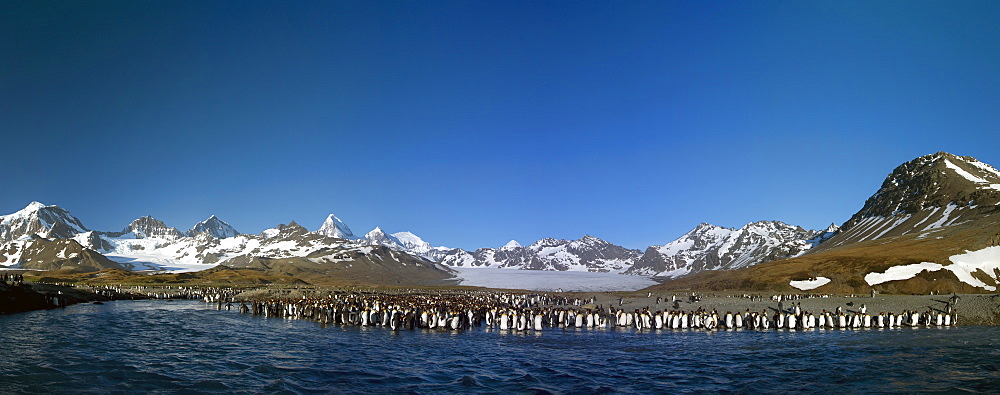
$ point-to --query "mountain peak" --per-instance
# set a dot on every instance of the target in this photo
(932, 181)
(334, 227)
(926, 193)
(30, 209)
(511, 245)
(147, 226)
(378, 237)
(34, 206)
(215, 227)
(38, 218)
(283, 231)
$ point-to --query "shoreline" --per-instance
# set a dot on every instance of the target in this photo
(29, 296)
(972, 309)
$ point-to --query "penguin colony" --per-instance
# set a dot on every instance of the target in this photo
(534, 312)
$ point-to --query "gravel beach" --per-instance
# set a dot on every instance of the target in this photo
(973, 309)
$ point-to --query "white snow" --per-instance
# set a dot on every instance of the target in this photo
(412, 242)
(901, 272)
(985, 167)
(867, 227)
(929, 215)
(511, 245)
(544, 280)
(24, 213)
(681, 271)
(806, 285)
(986, 260)
(893, 226)
(31, 212)
(944, 217)
(964, 173)
(334, 227)
(216, 227)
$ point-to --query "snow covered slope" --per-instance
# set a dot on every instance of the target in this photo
(39, 219)
(711, 247)
(215, 227)
(149, 227)
(149, 244)
(334, 227)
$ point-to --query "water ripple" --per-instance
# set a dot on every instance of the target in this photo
(156, 346)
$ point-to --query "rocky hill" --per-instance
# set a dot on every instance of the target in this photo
(939, 204)
(922, 195)
(933, 226)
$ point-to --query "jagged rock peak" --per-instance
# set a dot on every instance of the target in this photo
(147, 226)
(284, 231)
(929, 182)
(585, 254)
(215, 227)
(334, 227)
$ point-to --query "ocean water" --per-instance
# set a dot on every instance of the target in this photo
(187, 346)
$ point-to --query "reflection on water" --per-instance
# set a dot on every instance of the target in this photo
(139, 346)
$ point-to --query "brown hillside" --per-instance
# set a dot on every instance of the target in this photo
(846, 266)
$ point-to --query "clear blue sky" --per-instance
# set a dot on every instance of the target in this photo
(472, 123)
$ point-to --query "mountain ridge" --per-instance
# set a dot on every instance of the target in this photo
(919, 197)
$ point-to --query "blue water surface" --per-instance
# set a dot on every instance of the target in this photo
(186, 346)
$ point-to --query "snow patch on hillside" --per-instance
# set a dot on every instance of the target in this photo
(901, 272)
(985, 261)
(806, 285)
(963, 173)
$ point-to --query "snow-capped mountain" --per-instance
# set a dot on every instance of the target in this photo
(404, 242)
(202, 250)
(39, 219)
(149, 227)
(918, 198)
(214, 226)
(511, 245)
(334, 227)
(921, 196)
(711, 247)
(37, 237)
(379, 237)
(589, 253)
